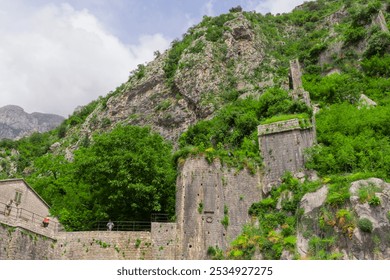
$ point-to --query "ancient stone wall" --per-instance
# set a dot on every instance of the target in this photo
(164, 241)
(104, 245)
(282, 146)
(295, 81)
(20, 244)
(212, 205)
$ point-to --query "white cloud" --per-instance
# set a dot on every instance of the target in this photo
(274, 6)
(55, 58)
(208, 8)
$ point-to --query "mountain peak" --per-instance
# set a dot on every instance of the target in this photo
(16, 123)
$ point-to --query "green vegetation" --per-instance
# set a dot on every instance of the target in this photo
(231, 135)
(352, 140)
(280, 118)
(277, 226)
(367, 194)
(200, 207)
(124, 175)
(225, 220)
(365, 225)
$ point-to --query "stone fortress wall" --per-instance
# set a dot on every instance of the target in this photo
(282, 146)
(212, 205)
(18, 243)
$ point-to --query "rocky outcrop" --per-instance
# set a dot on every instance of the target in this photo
(16, 123)
(357, 230)
(206, 70)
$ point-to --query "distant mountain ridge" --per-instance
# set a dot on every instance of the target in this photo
(16, 123)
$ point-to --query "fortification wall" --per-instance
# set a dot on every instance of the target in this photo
(20, 244)
(164, 241)
(282, 146)
(104, 245)
(206, 195)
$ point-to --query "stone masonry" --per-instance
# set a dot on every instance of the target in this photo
(282, 146)
(212, 205)
(295, 82)
(19, 243)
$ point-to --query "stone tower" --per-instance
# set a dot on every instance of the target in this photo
(282, 143)
(295, 83)
(212, 205)
(282, 146)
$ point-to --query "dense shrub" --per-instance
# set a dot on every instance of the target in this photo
(365, 225)
(378, 44)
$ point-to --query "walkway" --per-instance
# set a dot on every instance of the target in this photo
(19, 217)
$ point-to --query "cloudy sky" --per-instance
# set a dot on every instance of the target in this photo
(58, 54)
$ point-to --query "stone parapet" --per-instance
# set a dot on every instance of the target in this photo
(278, 127)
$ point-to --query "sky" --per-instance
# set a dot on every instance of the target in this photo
(56, 55)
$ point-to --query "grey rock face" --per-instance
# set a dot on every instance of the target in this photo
(351, 241)
(16, 123)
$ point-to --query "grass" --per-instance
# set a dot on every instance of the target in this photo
(280, 118)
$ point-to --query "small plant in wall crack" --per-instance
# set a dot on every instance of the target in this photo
(200, 207)
(225, 220)
(137, 243)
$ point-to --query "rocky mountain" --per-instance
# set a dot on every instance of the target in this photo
(207, 95)
(16, 123)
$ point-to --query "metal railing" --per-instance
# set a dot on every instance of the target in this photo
(158, 217)
(123, 226)
(16, 216)
(21, 217)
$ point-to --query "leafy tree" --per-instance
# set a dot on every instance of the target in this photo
(129, 173)
(126, 174)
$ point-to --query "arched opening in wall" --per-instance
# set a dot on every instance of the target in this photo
(190, 246)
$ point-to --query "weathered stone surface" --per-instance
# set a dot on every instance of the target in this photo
(282, 147)
(206, 193)
(371, 245)
(20, 244)
(351, 242)
(311, 202)
(365, 101)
